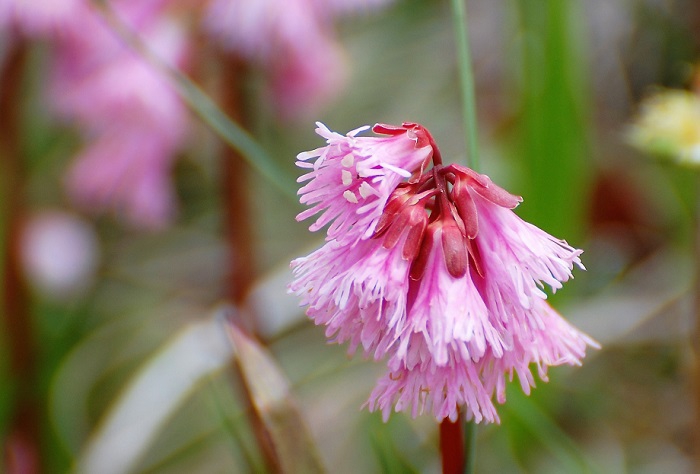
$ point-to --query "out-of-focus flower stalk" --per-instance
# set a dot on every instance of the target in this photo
(238, 233)
(235, 190)
(22, 444)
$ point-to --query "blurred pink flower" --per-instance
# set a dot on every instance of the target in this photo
(59, 252)
(438, 273)
(127, 172)
(40, 17)
(292, 40)
(130, 117)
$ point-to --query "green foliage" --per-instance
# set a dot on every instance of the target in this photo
(553, 129)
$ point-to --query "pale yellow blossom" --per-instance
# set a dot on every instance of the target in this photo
(668, 125)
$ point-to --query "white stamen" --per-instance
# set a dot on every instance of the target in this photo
(396, 169)
(348, 160)
(350, 197)
(347, 178)
(352, 133)
(366, 190)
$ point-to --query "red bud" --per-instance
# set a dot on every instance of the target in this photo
(414, 239)
(421, 260)
(454, 250)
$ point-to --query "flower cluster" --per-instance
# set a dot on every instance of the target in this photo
(431, 268)
(132, 121)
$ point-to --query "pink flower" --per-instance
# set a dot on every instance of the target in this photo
(60, 253)
(132, 120)
(126, 172)
(352, 177)
(437, 273)
(545, 340)
(40, 17)
(102, 84)
(436, 389)
(130, 117)
(301, 82)
(447, 310)
(357, 291)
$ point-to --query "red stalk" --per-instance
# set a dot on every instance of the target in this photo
(452, 446)
(237, 225)
(22, 446)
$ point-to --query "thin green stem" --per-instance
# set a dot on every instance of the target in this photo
(470, 447)
(466, 76)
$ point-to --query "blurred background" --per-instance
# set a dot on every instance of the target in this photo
(129, 227)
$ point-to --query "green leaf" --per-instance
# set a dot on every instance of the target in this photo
(553, 126)
(152, 397)
(542, 427)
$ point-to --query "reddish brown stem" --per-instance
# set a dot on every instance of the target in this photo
(239, 236)
(22, 452)
(235, 190)
(452, 446)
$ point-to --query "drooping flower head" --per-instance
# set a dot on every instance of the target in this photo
(433, 270)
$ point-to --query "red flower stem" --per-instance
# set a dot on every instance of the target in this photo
(22, 445)
(452, 446)
(235, 193)
(238, 232)
(437, 156)
(458, 447)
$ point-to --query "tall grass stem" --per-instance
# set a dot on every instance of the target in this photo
(466, 82)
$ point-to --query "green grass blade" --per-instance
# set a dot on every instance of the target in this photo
(553, 130)
(543, 428)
